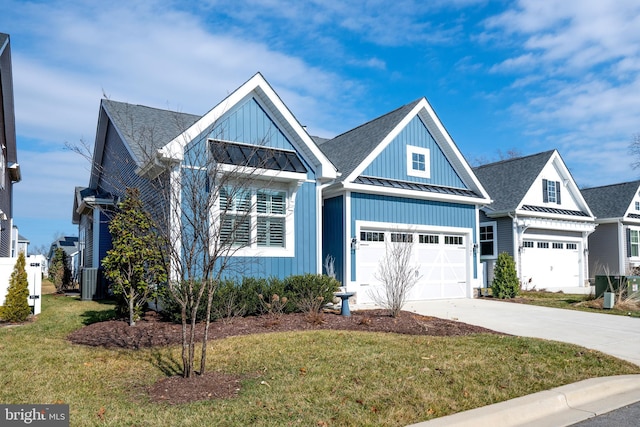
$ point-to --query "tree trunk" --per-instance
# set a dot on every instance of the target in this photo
(211, 288)
(187, 367)
(132, 319)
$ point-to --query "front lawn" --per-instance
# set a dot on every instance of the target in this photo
(573, 302)
(331, 378)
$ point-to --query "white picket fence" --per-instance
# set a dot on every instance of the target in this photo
(34, 276)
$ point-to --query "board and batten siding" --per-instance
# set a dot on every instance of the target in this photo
(305, 256)
(334, 234)
(392, 162)
(399, 210)
(248, 123)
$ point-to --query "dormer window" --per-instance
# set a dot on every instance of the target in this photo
(550, 191)
(418, 162)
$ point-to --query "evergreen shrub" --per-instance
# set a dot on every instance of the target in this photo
(505, 278)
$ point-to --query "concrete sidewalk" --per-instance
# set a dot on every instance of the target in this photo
(617, 336)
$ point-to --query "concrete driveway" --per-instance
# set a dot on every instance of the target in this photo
(618, 336)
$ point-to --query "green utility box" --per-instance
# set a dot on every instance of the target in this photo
(631, 282)
(602, 284)
(633, 285)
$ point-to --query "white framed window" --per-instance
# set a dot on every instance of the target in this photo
(551, 191)
(637, 205)
(527, 244)
(418, 161)
(543, 245)
(572, 246)
(259, 221)
(557, 245)
(488, 241)
(634, 243)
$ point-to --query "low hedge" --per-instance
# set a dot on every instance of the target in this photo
(254, 296)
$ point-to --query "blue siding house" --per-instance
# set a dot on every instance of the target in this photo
(402, 180)
(398, 178)
(138, 146)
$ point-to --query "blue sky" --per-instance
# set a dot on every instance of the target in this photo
(530, 75)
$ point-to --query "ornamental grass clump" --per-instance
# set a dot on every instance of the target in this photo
(505, 279)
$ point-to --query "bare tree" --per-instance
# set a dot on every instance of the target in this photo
(634, 150)
(511, 153)
(213, 203)
(397, 273)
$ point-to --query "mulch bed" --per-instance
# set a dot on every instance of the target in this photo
(152, 331)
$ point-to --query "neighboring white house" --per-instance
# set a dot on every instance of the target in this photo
(540, 218)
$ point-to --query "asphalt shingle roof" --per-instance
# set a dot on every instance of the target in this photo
(348, 150)
(610, 201)
(508, 181)
(146, 129)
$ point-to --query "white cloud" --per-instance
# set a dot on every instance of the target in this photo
(577, 74)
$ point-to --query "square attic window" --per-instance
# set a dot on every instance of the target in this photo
(418, 162)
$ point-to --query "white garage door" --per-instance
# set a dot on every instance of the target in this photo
(548, 263)
(441, 257)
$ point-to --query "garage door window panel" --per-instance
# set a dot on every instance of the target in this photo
(402, 238)
(371, 236)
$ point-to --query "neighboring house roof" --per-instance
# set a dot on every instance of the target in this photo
(69, 244)
(348, 150)
(85, 197)
(611, 201)
(22, 239)
(508, 181)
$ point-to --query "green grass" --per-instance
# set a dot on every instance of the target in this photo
(299, 378)
(572, 302)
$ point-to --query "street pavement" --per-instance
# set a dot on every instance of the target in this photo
(628, 416)
(617, 336)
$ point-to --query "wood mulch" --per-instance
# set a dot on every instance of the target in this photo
(153, 331)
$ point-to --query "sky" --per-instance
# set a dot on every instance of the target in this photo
(523, 75)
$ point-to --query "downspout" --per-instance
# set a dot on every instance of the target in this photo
(517, 243)
(622, 249)
(319, 229)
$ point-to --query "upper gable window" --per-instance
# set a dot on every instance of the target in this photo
(550, 191)
(418, 162)
(637, 206)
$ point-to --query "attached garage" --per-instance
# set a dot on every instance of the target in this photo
(442, 256)
(550, 262)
